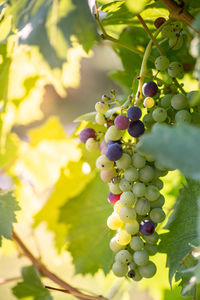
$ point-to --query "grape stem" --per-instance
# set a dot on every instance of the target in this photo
(179, 86)
(150, 34)
(43, 270)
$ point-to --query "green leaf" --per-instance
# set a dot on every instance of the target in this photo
(183, 226)
(176, 147)
(136, 6)
(8, 207)
(117, 13)
(174, 295)
(31, 286)
(88, 235)
(89, 117)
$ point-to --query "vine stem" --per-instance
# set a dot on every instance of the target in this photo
(150, 34)
(43, 270)
(6, 280)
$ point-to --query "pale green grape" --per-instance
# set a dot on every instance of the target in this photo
(152, 193)
(114, 188)
(161, 63)
(175, 69)
(165, 101)
(132, 265)
(92, 145)
(118, 206)
(124, 257)
(176, 43)
(107, 175)
(114, 246)
(158, 183)
(179, 102)
(182, 116)
(133, 227)
(148, 120)
(152, 238)
(168, 31)
(157, 215)
(127, 214)
(114, 222)
(137, 275)
(142, 207)
(138, 161)
(123, 237)
(159, 114)
(127, 199)
(131, 174)
(139, 189)
(151, 249)
(148, 271)
(112, 134)
(101, 107)
(119, 269)
(125, 185)
(102, 163)
(136, 243)
(141, 257)
(146, 174)
(124, 162)
(100, 119)
(158, 203)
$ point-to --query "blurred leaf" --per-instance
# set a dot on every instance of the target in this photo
(159, 144)
(8, 152)
(31, 286)
(174, 295)
(117, 13)
(8, 207)
(183, 231)
(136, 6)
(88, 235)
(122, 77)
(90, 117)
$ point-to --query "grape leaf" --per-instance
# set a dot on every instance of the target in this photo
(159, 144)
(89, 117)
(184, 230)
(174, 295)
(31, 286)
(8, 207)
(85, 215)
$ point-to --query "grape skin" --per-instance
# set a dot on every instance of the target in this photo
(114, 152)
(87, 133)
(147, 227)
(113, 198)
(121, 122)
(136, 129)
(149, 89)
(134, 113)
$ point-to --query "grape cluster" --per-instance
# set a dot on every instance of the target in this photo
(134, 179)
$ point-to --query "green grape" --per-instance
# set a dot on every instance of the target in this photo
(151, 249)
(168, 31)
(100, 119)
(127, 199)
(92, 145)
(102, 163)
(152, 193)
(119, 269)
(114, 188)
(146, 174)
(133, 227)
(165, 101)
(127, 214)
(182, 116)
(175, 69)
(118, 206)
(112, 134)
(158, 203)
(137, 276)
(179, 102)
(159, 114)
(148, 271)
(124, 162)
(132, 265)
(159, 166)
(158, 183)
(152, 238)
(123, 237)
(141, 257)
(161, 63)
(107, 175)
(138, 161)
(136, 243)
(101, 107)
(139, 189)
(142, 207)
(176, 43)
(114, 246)
(125, 185)
(124, 257)
(114, 222)
(157, 215)
(131, 174)
(149, 102)
(148, 120)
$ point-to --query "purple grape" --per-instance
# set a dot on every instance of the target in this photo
(147, 227)
(136, 129)
(150, 89)
(113, 198)
(131, 274)
(121, 122)
(113, 142)
(87, 133)
(134, 113)
(114, 152)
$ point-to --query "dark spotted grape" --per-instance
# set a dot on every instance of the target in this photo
(150, 89)
(114, 152)
(134, 113)
(136, 129)
(87, 133)
(147, 227)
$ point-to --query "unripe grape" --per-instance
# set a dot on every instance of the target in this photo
(168, 31)
(149, 89)
(131, 174)
(159, 114)
(101, 107)
(166, 101)
(158, 183)
(149, 102)
(102, 163)
(151, 249)
(127, 199)
(117, 207)
(136, 243)
(152, 238)
(146, 174)
(123, 237)
(138, 161)
(100, 119)
(124, 162)
(119, 269)
(121, 122)
(133, 227)
(179, 102)
(114, 188)
(137, 277)
(87, 133)
(176, 43)
(152, 193)
(113, 134)
(114, 246)
(132, 265)
(148, 271)
(175, 69)
(102, 147)
(157, 215)
(158, 203)
(112, 198)
(114, 222)
(148, 120)
(125, 185)
(139, 189)
(127, 214)
(142, 207)
(123, 256)
(161, 63)
(141, 257)
(183, 116)
(107, 175)
(92, 145)
(136, 129)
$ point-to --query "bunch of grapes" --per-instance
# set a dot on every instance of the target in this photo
(134, 179)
